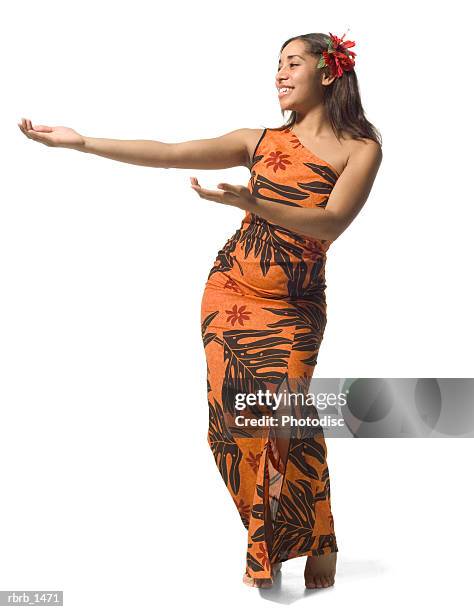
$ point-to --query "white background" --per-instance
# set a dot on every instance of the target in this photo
(109, 490)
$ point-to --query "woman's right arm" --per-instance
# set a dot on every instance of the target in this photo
(231, 149)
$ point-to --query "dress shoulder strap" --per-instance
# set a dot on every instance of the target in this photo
(262, 136)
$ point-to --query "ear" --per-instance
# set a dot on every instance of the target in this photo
(327, 80)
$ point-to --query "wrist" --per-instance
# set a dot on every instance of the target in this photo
(83, 147)
(252, 205)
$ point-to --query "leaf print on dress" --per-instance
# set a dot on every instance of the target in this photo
(224, 259)
(208, 337)
(295, 518)
(261, 239)
(244, 511)
(223, 446)
(309, 320)
(323, 171)
(317, 187)
(253, 359)
(286, 193)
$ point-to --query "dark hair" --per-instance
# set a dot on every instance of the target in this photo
(341, 97)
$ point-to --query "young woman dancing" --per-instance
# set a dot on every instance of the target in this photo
(263, 309)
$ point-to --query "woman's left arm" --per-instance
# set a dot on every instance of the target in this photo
(347, 197)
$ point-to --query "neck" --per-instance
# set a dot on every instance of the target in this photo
(314, 123)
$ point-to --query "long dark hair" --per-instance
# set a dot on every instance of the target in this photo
(341, 97)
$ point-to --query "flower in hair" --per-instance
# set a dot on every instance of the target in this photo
(338, 58)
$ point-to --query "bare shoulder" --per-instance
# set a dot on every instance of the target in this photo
(364, 148)
(363, 154)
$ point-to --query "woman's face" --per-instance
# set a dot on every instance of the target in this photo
(297, 71)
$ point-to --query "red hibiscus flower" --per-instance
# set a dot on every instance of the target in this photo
(338, 57)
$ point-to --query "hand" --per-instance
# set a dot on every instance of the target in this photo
(57, 136)
(233, 195)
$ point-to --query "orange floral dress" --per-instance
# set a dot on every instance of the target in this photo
(263, 315)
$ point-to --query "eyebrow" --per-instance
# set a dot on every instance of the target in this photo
(290, 56)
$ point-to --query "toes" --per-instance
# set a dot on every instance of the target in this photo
(310, 583)
(247, 580)
(318, 582)
(328, 581)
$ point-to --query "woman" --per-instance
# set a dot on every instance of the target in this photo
(263, 308)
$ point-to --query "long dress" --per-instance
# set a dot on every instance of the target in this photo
(263, 316)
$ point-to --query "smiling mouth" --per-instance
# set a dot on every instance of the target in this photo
(284, 91)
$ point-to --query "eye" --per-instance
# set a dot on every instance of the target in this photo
(279, 67)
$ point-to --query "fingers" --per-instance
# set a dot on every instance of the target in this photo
(42, 128)
(30, 131)
(40, 133)
(232, 188)
(241, 191)
(224, 197)
(207, 194)
(194, 183)
(200, 190)
(234, 195)
(24, 126)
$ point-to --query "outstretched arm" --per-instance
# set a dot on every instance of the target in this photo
(227, 151)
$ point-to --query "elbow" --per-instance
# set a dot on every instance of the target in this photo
(333, 228)
(335, 232)
(336, 225)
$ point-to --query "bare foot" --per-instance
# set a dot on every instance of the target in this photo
(262, 583)
(320, 571)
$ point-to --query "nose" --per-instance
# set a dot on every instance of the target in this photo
(279, 75)
(280, 80)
